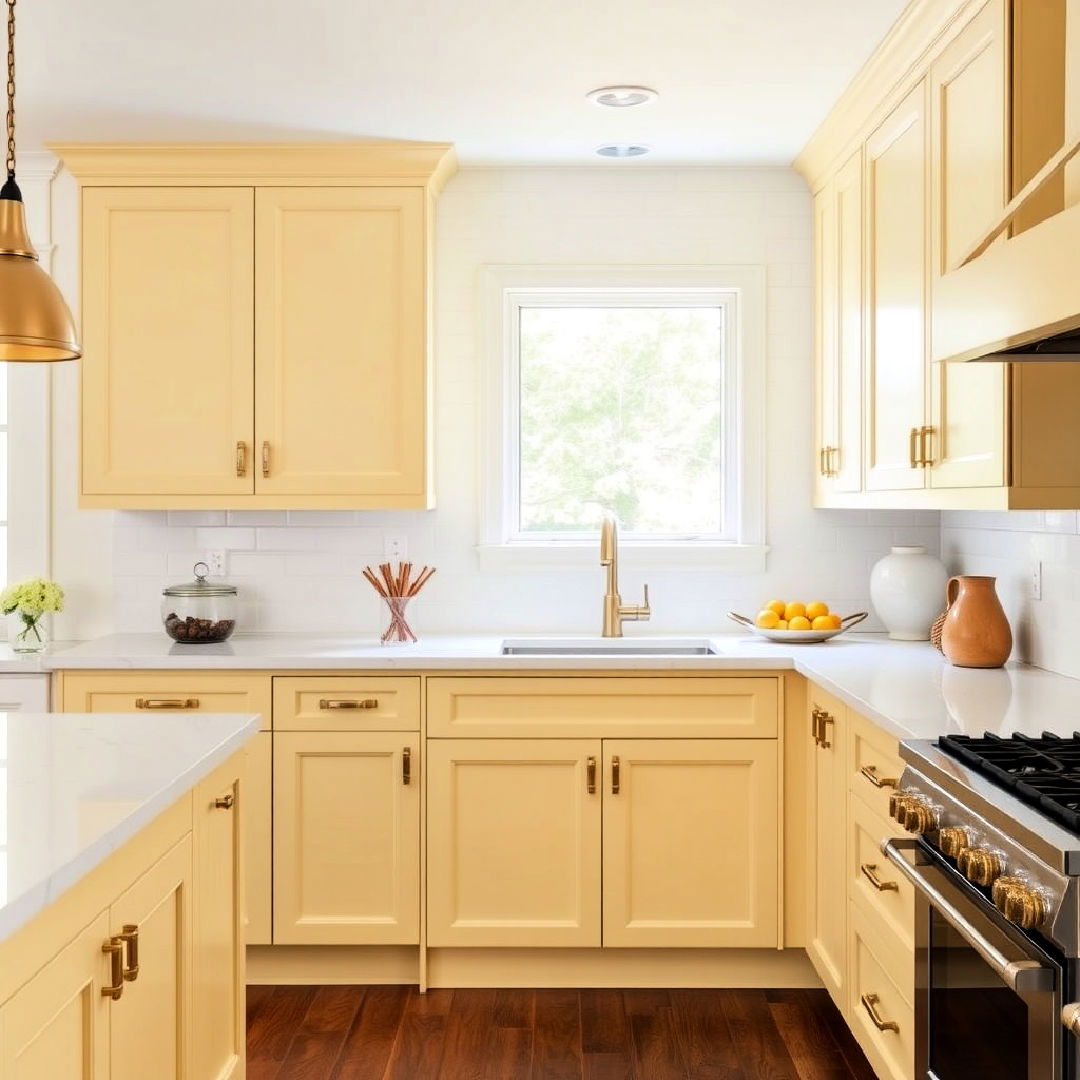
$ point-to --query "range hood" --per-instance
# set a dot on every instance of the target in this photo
(1058, 347)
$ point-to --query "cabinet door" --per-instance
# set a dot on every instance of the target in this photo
(826, 932)
(846, 464)
(513, 842)
(57, 1025)
(969, 161)
(826, 382)
(340, 344)
(168, 364)
(256, 821)
(690, 842)
(346, 838)
(896, 166)
(149, 1027)
(220, 802)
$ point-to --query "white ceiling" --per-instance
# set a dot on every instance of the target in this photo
(740, 81)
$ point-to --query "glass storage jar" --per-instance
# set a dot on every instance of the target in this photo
(199, 612)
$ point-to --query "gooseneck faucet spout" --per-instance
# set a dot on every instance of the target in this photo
(615, 612)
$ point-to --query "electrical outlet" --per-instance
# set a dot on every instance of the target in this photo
(1036, 581)
(394, 547)
(216, 561)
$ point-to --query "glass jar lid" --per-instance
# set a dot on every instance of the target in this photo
(200, 586)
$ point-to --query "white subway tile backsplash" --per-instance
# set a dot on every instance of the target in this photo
(228, 537)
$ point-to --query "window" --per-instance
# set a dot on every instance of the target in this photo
(632, 391)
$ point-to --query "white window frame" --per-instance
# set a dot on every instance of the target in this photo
(740, 290)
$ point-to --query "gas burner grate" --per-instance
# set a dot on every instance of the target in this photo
(1043, 771)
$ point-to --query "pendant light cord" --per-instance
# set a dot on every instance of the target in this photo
(10, 162)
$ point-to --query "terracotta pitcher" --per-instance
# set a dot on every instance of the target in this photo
(976, 633)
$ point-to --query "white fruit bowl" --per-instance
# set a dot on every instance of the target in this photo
(800, 637)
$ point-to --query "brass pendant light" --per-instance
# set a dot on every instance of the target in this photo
(35, 323)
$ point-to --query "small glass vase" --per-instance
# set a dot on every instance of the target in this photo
(396, 627)
(28, 633)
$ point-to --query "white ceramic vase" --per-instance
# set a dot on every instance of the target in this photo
(907, 589)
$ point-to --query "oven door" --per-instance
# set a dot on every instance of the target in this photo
(987, 1000)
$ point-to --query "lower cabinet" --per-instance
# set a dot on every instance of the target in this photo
(587, 842)
(346, 838)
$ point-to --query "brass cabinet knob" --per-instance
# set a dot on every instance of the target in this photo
(1024, 906)
(952, 840)
(980, 867)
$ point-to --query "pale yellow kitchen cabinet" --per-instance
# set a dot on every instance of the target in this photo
(346, 838)
(826, 909)
(690, 831)
(256, 324)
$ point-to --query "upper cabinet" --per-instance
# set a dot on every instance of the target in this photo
(256, 324)
(913, 167)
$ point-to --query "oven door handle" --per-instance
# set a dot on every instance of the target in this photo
(1020, 975)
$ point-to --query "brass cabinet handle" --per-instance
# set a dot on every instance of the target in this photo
(913, 452)
(265, 458)
(225, 802)
(826, 720)
(870, 1004)
(822, 467)
(590, 775)
(166, 703)
(870, 772)
(815, 722)
(834, 461)
(348, 703)
(926, 445)
(241, 459)
(130, 938)
(615, 774)
(406, 765)
(114, 950)
(868, 870)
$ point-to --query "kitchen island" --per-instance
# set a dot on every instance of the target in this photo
(121, 949)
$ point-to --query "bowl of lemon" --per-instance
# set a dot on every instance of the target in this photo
(793, 621)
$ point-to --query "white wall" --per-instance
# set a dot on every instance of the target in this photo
(1007, 546)
(300, 571)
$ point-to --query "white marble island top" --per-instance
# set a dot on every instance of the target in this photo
(908, 688)
(74, 787)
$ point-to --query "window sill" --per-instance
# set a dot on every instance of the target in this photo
(725, 558)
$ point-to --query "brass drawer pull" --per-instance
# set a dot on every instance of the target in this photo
(913, 450)
(823, 467)
(130, 937)
(166, 703)
(225, 802)
(590, 775)
(114, 950)
(826, 720)
(870, 772)
(616, 777)
(348, 703)
(406, 765)
(868, 870)
(241, 459)
(834, 461)
(870, 1004)
(815, 723)
(265, 459)
(926, 446)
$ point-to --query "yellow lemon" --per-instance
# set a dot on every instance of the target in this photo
(776, 605)
(792, 611)
(834, 622)
(767, 620)
(816, 609)
(800, 622)
(822, 622)
(782, 624)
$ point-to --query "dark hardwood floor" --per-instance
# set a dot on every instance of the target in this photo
(396, 1033)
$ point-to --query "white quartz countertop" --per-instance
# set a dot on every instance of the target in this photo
(908, 688)
(74, 787)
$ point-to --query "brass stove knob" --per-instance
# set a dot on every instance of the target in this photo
(952, 839)
(1024, 906)
(918, 817)
(1001, 888)
(982, 867)
(897, 802)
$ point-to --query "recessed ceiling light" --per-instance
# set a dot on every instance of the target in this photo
(622, 97)
(622, 150)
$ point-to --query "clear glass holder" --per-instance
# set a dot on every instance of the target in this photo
(397, 630)
(28, 634)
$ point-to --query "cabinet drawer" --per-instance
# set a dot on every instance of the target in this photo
(348, 703)
(881, 980)
(891, 902)
(875, 764)
(568, 707)
(168, 691)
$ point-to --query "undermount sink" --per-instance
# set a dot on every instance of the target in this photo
(607, 647)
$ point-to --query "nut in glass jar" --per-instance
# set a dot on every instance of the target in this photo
(199, 612)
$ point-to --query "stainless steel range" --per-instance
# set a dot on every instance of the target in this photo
(995, 861)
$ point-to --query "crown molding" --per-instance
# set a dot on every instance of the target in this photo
(375, 163)
(36, 166)
(899, 61)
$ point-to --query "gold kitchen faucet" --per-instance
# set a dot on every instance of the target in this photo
(615, 612)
